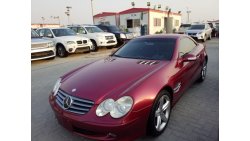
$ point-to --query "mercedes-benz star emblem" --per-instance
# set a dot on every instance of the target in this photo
(67, 102)
(73, 90)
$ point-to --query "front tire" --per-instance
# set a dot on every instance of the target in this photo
(95, 47)
(160, 114)
(61, 51)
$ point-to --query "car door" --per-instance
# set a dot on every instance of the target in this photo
(185, 70)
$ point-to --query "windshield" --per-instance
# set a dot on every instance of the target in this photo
(114, 28)
(148, 48)
(34, 34)
(63, 32)
(197, 26)
(93, 29)
(185, 25)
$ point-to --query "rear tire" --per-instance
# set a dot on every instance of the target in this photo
(160, 114)
(203, 72)
(61, 51)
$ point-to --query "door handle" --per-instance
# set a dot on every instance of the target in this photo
(198, 56)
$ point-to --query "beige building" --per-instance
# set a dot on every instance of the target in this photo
(39, 25)
(144, 20)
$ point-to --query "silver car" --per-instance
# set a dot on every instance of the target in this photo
(200, 31)
(41, 48)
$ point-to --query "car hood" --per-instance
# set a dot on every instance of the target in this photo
(194, 31)
(107, 78)
(102, 34)
(39, 41)
(72, 38)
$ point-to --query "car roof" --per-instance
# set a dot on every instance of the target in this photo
(54, 28)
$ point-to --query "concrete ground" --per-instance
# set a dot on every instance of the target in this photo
(194, 118)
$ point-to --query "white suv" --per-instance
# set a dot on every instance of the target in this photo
(98, 37)
(41, 48)
(200, 31)
(66, 40)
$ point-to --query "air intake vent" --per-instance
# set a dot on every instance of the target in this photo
(147, 62)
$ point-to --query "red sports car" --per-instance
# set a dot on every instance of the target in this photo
(131, 92)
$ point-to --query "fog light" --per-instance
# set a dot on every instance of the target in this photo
(70, 49)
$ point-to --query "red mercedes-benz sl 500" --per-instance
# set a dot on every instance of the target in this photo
(131, 92)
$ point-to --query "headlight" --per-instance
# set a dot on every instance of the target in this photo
(71, 42)
(56, 87)
(116, 109)
(51, 44)
(105, 107)
(123, 36)
(200, 32)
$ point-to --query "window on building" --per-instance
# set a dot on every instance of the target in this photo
(131, 23)
(177, 22)
(157, 22)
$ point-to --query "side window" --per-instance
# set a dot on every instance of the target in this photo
(74, 29)
(186, 46)
(41, 32)
(81, 30)
(104, 28)
(47, 33)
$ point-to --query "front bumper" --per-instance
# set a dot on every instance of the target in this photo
(76, 48)
(196, 36)
(42, 53)
(99, 128)
(106, 43)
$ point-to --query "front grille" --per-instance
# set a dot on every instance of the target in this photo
(110, 42)
(85, 41)
(82, 49)
(41, 54)
(109, 37)
(192, 33)
(78, 106)
(79, 42)
(40, 45)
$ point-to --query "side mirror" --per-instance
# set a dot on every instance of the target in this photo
(188, 58)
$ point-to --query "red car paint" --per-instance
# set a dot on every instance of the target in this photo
(114, 77)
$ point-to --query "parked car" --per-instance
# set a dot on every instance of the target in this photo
(122, 37)
(213, 26)
(183, 28)
(66, 41)
(41, 48)
(98, 37)
(217, 30)
(200, 31)
(131, 92)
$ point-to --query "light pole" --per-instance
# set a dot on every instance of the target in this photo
(188, 12)
(68, 12)
(43, 20)
(92, 11)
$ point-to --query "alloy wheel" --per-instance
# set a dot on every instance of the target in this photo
(162, 113)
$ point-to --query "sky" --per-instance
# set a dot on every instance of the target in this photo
(201, 10)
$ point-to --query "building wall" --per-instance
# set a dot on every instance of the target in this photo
(111, 19)
(44, 25)
(136, 30)
(161, 16)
